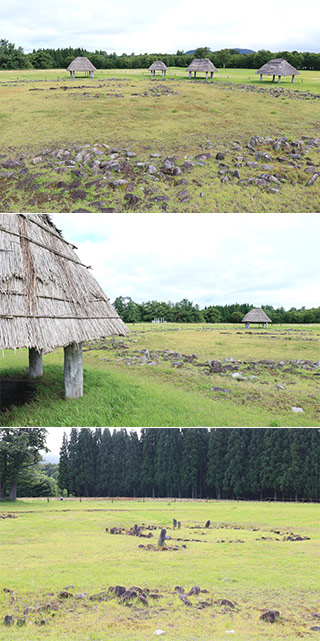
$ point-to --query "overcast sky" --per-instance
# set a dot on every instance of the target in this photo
(143, 26)
(214, 259)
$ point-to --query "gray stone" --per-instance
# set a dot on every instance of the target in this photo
(162, 537)
(12, 164)
(270, 616)
(79, 194)
(312, 180)
(118, 183)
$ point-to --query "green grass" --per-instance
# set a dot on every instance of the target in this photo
(174, 124)
(121, 394)
(52, 545)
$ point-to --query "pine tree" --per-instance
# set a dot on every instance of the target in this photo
(73, 462)
(64, 472)
(103, 469)
(133, 465)
(148, 441)
(217, 449)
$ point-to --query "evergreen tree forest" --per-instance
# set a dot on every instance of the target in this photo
(12, 57)
(237, 463)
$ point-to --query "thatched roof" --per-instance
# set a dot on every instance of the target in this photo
(201, 64)
(48, 298)
(256, 316)
(278, 67)
(158, 65)
(81, 63)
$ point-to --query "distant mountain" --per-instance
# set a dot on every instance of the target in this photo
(245, 51)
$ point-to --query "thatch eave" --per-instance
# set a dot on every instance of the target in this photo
(81, 63)
(48, 297)
(256, 316)
(201, 64)
(158, 65)
(278, 67)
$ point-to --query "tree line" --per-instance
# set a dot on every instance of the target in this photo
(236, 463)
(12, 57)
(186, 312)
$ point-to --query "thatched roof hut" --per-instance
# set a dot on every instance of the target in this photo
(48, 298)
(201, 64)
(83, 64)
(158, 65)
(277, 67)
(256, 316)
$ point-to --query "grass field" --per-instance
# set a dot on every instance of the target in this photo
(243, 557)
(42, 112)
(181, 375)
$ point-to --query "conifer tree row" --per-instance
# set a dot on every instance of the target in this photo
(237, 463)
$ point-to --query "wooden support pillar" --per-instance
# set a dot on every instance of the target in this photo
(35, 363)
(206, 75)
(211, 74)
(261, 77)
(73, 371)
(292, 79)
(273, 78)
(195, 73)
(279, 78)
(190, 75)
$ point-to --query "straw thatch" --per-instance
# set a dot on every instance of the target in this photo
(81, 63)
(201, 64)
(278, 67)
(48, 298)
(158, 65)
(256, 316)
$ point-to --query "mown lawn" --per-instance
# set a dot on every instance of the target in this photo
(242, 557)
(43, 111)
(150, 378)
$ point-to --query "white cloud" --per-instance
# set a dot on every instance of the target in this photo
(143, 26)
(207, 258)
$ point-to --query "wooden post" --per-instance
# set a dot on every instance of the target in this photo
(261, 77)
(212, 72)
(35, 363)
(273, 78)
(190, 75)
(73, 371)
(279, 78)
(206, 75)
(195, 73)
(292, 79)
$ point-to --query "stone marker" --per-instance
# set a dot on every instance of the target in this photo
(162, 537)
(175, 523)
